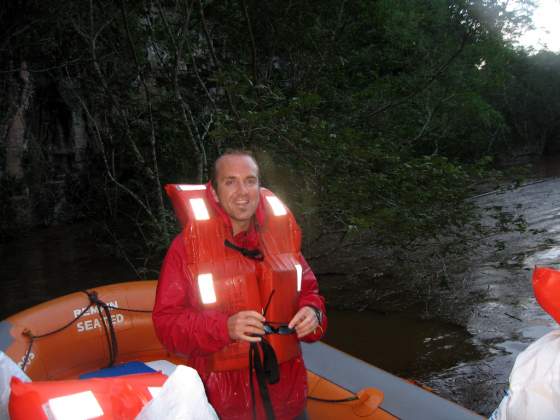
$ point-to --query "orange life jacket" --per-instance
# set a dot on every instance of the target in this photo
(546, 285)
(230, 282)
(119, 397)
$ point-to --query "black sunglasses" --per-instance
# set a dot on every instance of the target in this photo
(281, 329)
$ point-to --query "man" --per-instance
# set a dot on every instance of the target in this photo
(235, 295)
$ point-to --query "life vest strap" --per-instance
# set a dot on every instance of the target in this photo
(266, 371)
(254, 254)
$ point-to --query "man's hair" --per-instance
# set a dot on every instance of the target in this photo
(229, 152)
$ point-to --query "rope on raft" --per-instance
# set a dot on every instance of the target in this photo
(106, 321)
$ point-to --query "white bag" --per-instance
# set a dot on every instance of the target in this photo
(8, 368)
(181, 397)
(534, 383)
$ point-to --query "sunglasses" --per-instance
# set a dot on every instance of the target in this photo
(281, 329)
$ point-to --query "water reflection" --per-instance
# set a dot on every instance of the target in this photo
(400, 343)
(548, 257)
(52, 262)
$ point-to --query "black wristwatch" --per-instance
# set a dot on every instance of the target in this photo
(318, 313)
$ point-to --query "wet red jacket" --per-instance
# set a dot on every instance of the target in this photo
(196, 333)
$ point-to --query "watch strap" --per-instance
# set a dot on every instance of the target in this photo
(318, 313)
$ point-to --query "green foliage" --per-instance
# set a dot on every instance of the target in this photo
(384, 114)
(531, 99)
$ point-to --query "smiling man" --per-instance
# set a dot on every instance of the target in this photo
(236, 186)
(235, 295)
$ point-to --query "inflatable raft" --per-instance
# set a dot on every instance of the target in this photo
(86, 331)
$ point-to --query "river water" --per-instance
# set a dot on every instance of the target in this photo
(54, 261)
(467, 363)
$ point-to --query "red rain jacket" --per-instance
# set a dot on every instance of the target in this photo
(195, 334)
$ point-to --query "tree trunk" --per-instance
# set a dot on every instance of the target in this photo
(15, 138)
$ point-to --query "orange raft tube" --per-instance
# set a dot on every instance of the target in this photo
(86, 331)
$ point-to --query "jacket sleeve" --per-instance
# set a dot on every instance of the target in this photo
(310, 296)
(179, 324)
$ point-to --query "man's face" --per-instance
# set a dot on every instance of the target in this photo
(237, 179)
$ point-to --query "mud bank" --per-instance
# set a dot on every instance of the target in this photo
(504, 318)
(462, 339)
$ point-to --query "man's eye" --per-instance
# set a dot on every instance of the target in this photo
(229, 182)
(251, 181)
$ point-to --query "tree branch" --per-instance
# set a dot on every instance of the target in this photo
(430, 80)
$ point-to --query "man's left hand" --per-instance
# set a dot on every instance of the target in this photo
(304, 321)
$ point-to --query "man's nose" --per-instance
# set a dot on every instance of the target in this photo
(242, 188)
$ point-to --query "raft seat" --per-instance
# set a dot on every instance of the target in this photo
(128, 368)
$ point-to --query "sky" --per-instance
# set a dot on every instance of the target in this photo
(546, 20)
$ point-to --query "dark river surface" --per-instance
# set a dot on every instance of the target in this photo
(469, 364)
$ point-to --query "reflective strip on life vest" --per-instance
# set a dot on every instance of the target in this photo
(186, 187)
(278, 209)
(68, 406)
(199, 209)
(299, 275)
(206, 288)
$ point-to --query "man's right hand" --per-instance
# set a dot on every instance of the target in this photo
(246, 325)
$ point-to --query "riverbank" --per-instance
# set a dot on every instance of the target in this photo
(464, 328)
(501, 312)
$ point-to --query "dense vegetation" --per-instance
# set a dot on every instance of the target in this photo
(371, 116)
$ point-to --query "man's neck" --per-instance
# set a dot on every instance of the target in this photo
(238, 227)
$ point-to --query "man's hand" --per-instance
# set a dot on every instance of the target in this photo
(245, 325)
(304, 321)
